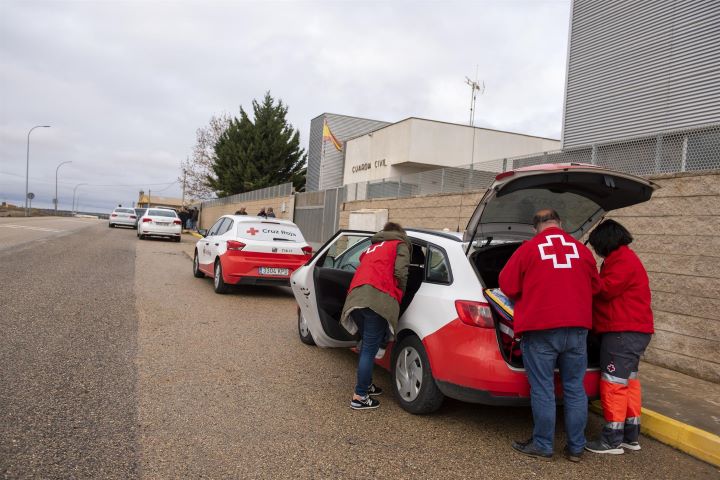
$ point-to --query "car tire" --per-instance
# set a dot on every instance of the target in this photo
(110, 225)
(218, 281)
(178, 239)
(413, 382)
(197, 273)
(303, 330)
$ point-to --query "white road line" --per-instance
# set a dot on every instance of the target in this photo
(28, 227)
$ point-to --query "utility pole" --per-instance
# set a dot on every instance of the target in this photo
(475, 87)
(183, 194)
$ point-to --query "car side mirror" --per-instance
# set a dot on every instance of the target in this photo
(202, 232)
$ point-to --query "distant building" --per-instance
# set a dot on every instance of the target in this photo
(417, 145)
(325, 162)
(637, 68)
(149, 201)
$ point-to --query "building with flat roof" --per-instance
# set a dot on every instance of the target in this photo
(417, 145)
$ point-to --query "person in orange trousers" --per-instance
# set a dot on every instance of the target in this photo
(622, 317)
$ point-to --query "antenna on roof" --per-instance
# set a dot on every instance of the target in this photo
(475, 87)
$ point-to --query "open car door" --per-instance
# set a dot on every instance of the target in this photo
(321, 286)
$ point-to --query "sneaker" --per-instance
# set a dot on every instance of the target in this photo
(380, 354)
(573, 457)
(367, 403)
(374, 390)
(528, 448)
(598, 446)
(634, 446)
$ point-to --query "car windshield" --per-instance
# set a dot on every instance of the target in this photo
(162, 213)
(124, 210)
(520, 206)
(269, 231)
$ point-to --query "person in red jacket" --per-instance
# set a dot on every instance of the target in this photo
(373, 304)
(623, 318)
(552, 279)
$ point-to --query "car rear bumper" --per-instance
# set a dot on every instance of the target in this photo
(468, 365)
(170, 231)
(242, 269)
(123, 221)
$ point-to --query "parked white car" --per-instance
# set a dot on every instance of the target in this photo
(122, 216)
(160, 222)
(248, 250)
(449, 341)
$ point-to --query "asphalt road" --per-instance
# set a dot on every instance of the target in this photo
(17, 232)
(117, 363)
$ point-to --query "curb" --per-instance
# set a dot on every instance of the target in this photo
(195, 234)
(691, 440)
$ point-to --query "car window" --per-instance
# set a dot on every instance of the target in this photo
(350, 258)
(162, 213)
(216, 228)
(342, 250)
(438, 270)
(226, 227)
(124, 210)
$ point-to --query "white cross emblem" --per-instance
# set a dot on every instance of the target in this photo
(558, 247)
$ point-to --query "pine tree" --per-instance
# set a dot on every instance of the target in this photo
(258, 153)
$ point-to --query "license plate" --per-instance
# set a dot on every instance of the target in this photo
(162, 224)
(273, 271)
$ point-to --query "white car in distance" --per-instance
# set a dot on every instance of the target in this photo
(122, 216)
(159, 222)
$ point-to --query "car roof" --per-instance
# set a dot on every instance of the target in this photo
(454, 236)
(254, 219)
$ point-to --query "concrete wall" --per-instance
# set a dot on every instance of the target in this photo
(677, 235)
(210, 214)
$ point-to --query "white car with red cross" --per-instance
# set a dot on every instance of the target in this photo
(450, 341)
(247, 250)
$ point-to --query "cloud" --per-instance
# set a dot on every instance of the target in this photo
(125, 84)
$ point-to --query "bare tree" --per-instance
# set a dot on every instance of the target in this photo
(199, 166)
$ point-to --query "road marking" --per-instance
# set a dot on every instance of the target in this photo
(28, 227)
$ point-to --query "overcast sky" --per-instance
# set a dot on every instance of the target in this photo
(125, 84)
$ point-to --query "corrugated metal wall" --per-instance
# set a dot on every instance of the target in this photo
(325, 169)
(637, 67)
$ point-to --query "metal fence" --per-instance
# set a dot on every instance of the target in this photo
(696, 149)
(283, 190)
(317, 214)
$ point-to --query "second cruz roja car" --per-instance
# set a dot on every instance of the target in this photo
(449, 341)
(248, 250)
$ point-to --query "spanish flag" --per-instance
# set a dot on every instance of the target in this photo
(328, 135)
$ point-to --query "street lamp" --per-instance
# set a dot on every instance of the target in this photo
(56, 174)
(27, 166)
(74, 191)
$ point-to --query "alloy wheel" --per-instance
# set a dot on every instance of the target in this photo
(408, 374)
(218, 272)
(304, 329)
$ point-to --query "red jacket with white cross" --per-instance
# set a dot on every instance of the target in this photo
(552, 279)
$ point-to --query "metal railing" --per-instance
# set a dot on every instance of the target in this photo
(692, 149)
(283, 190)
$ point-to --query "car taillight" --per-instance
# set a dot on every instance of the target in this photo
(307, 250)
(475, 314)
(500, 176)
(114, 215)
(234, 245)
(177, 222)
(145, 220)
(132, 217)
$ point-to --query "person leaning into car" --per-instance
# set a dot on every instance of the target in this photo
(373, 302)
(552, 279)
(624, 320)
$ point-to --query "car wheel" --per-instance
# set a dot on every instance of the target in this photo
(178, 239)
(414, 384)
(218, 282)
(304, 330)
(110, 225)
(197, 273)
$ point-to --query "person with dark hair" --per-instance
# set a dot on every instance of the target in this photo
(262, 213)
(552, 279)
(624, 320)
(193, 218)
(373, 303)
(242, 211)
(270, 212)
